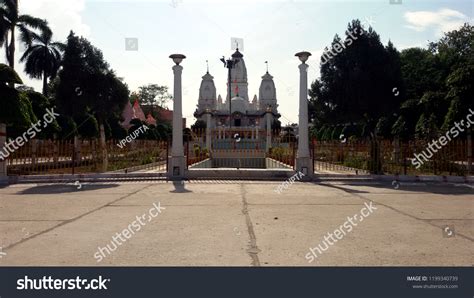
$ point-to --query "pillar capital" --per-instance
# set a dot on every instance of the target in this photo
(303, 56)
(177, 58)
(178, 69)
(303, 67)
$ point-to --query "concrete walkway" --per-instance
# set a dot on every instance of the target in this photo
(236, 223)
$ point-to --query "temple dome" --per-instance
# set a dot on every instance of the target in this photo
(237, 54)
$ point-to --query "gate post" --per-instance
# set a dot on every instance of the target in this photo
(304, 162)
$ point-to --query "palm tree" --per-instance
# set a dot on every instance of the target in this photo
(10, 20)
(43, 58)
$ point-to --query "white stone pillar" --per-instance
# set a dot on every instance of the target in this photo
(177, 162)
(268, 117)
(3, 162)
(304, 162)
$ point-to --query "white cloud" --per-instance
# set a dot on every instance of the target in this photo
(62, 15)
(443, 20)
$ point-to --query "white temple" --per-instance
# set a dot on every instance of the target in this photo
(245, 113)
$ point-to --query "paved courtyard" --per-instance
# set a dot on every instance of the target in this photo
(236, 223)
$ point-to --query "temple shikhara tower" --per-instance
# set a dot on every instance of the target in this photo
(246, 113)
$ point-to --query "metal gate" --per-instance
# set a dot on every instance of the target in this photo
(239, 148)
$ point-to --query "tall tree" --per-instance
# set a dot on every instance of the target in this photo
(460, 85)
(74, 90)
(358, 81)
(152, 94)
(456, 51)
(87, 86)
(111, 95)
(10, 21)
(439, 82)
(89, 91)
(43, 58)
(422, 71)
(455, 48)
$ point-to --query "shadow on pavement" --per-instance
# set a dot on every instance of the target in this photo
(426, 187)
(180, 187)
(64, 188)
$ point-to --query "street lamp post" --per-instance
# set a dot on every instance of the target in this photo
(178, 165)
(304, 163)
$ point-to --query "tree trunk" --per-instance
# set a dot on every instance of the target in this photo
(11, 52)
(45, 84)
(77, 150)
(469, 152)
(103, 149)
(3, 162)
(375, 165)
(45, 73)
(7, 49)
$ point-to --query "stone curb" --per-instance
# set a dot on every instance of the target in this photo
(85, 177)
(400, 178)
(238, 174)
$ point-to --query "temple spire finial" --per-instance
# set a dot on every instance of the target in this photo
(207, 63)
(266, 62)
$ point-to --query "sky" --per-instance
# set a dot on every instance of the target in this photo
(272, 31)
